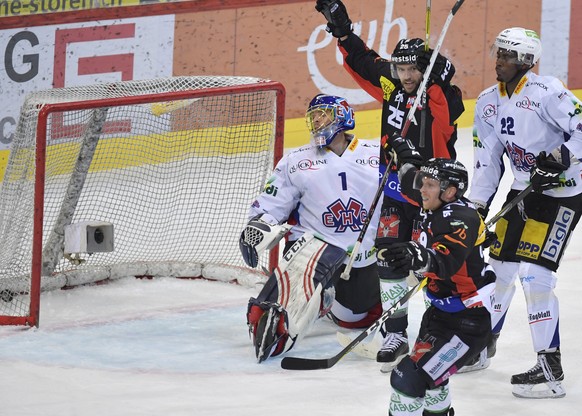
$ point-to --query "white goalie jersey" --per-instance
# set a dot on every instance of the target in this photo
(325, 194)
(541, 115)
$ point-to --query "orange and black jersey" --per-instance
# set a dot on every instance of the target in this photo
(453, 235)
(445, 105)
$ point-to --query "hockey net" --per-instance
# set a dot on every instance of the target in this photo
(171, 166)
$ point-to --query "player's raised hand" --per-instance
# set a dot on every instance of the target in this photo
(338, 21)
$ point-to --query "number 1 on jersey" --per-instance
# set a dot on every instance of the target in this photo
(344, 181)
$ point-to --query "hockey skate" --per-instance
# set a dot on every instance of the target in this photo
(482, 361)
(394, 348)
(543, 380)
(268, 329)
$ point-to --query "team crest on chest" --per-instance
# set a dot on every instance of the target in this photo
(345, 216)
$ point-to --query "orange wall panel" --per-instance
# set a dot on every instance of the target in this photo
(265, 41)
(575, 51)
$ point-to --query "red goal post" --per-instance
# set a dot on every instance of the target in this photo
(134, 178)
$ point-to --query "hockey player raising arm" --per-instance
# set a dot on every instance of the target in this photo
(457, 324)
(325, 190)
(536, 121)
(395, 84)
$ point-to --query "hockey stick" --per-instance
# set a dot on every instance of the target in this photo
(422, 141)
(509, 206)
(427, 26)
(421, 90)
(346, 273)
(433, 58)
(298, 363)
(367, 350)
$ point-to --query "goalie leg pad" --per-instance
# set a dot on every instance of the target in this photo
(305, 280)
(268, 328)
(295, 296)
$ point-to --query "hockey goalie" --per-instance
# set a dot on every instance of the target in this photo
(319, 196)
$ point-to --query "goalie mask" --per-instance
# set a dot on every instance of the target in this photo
(326, 116)
(448, 172)
(518, 45)
(404, 54)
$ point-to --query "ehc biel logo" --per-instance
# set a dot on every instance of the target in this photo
(343, 216)
(521, 159)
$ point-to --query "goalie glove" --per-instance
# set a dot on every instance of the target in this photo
(404, 257)
(338, 21)
(259, 236)
(546, 173)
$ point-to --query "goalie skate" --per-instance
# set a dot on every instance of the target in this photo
(542, 381)
(270, 333)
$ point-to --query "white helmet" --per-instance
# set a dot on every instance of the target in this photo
(526, 43)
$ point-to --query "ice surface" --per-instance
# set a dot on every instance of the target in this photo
(180, 347)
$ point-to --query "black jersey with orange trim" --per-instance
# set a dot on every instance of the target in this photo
(453, 234)
(373, 74)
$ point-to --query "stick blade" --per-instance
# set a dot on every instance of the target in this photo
(366, 350)
(297, 363)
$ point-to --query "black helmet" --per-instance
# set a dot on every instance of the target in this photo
(405, 51)
(447, 171)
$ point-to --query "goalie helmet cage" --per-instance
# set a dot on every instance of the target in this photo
(173, 164)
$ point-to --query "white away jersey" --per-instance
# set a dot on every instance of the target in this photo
(541, 114)
(326, 194)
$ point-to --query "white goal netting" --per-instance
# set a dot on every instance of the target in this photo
(173, 164)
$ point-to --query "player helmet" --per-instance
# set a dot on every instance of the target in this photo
(326, 116)
(524, 42)
(405, 53)
(448, 172)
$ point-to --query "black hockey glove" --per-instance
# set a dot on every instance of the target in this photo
(402, 150)
(442, 71)
(338, 21)
(482, 209)
(546, 173)
(490, 238)
(403, 257)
